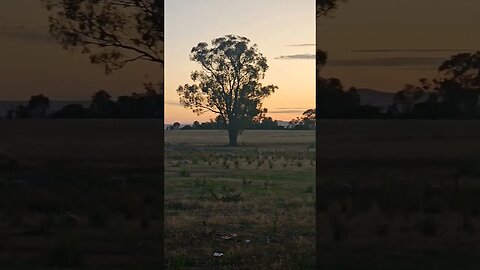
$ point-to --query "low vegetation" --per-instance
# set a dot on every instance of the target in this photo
(240, 201)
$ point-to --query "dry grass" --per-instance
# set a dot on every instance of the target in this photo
(245, 191)
(65, 165)
(391, 219)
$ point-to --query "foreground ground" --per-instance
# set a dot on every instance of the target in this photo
(254, 203)
(81, 194)
(398, 195)
(390, 195)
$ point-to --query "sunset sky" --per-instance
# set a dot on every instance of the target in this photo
(279, 28)
(32, 63)
(384, 44)
(378, 44)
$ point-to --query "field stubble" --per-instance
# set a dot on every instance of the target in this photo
(254, 203)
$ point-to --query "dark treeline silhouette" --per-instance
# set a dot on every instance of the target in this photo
(143, 105)
(307, 121)
(37, 107)
(453, 95)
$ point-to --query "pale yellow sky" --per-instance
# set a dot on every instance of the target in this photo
(273, 25)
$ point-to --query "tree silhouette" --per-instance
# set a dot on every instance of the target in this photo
(463, 69)
(113, 32)
(307, 121)
(228, 83)
(38, 106)
(454, 95)
(406, 98)
(71, 111)
(333, 101)
(325, 7)
(102, 105)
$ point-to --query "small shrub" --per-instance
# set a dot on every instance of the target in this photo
(275, 221)
(199, 183)
(184, 172)
(245, 181)
(309, 189)
(231, 197)
(260, 163)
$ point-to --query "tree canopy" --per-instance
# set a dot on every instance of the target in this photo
(325, 7)
(228, 83)
(113, 32)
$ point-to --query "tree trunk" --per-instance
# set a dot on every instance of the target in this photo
(232, 137)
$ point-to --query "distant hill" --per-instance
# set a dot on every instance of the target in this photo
(375, 98)
(55, 105)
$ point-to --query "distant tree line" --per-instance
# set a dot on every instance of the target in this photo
(137, 105)
(306, 121)
(454, 95)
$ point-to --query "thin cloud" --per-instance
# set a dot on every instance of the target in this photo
(25, 33)
(296, 56)
(5, 28)
(302, 45)
(411, 50)
(421, 69)
(291, 108)
(172, 102)
(287, 110)
(388, 62)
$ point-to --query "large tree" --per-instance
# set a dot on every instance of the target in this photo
(460, 86)
(228, 83)
(463, 69)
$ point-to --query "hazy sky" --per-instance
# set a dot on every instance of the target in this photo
(384, 44)
(379, 44)
(32, 63)
(274, 25)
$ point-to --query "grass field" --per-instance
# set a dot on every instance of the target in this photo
(398, 195)
(254, 203)
(81, 194)
(390, 195)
